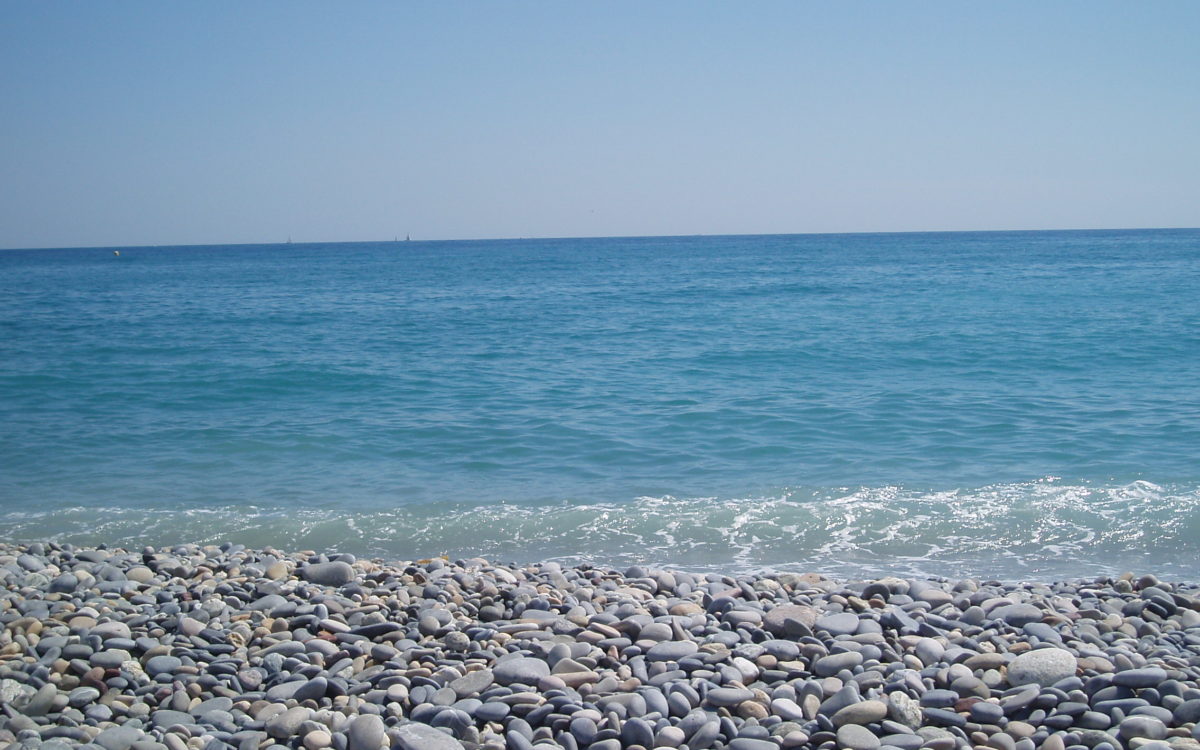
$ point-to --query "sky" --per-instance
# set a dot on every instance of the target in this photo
(150, 123)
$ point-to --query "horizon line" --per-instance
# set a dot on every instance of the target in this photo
(596, 237)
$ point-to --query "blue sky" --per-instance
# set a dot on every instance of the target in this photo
(184, 123)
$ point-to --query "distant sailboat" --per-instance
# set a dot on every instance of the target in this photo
(407, 238)
(289, 239)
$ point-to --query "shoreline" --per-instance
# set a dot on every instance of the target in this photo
(209, 647)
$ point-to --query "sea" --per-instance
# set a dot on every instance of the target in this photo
(998, 405)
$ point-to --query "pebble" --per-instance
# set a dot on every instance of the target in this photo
(855, 737)
(207, 647)
(830, 665)
(671, 651)
(414, 736)
(1017, 615)
(366, 733)
(1140, 678)
(794, 620)
(1043, 666)
(844, 623)
(162, 664)
(903, 709)
(1142, 726)
(863, 712)
(287, 723)
(328, 573)
(523, 670)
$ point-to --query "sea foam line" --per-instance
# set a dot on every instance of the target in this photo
(1041, 527)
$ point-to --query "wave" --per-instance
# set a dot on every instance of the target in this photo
(1040, 530)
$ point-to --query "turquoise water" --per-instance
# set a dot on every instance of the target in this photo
(1008, 404)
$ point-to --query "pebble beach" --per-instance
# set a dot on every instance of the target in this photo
(213, 647)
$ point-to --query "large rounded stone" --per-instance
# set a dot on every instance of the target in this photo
(1016, 615)
(328, 574)
(523, 669)
(827, 666)
(904, 710)
(671, 650)
(286, 724)
(414, 736)
(472, 683)
(727, 697)
(1042, 666)
(794, 620)
(863, 712)
(366, 733)
(1142, 726)
(856, 737)
(162, 664)
(1140, 678)
(842, 623)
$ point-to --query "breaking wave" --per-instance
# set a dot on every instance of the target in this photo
(1040, 530)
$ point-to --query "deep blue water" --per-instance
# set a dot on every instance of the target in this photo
(1011, 404)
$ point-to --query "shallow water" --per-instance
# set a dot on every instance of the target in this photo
(996, 404)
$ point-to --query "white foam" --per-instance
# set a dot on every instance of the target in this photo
(1040, 527)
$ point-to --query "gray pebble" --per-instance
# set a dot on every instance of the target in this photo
(856, 737)
(830, 665)
(843, 623)
(414, 736)
(671, 651)
(366, 733)
(1140, 678)
(523, 670)
(1017, 615)
(335, 573)
(726, 697)
(1042, 666)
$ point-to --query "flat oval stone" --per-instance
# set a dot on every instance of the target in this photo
(671, 650)
(313, 689)
(636, 731)
(117, 738)
(415, 736)
(366, 733)
(842, 623)
(790, 620)
(1042, 666)
(902, 741)
(524, 670)
(162, 664)
(938, 698)
(334, 573)
(1140, 678)
(163, 718)
(787, 709)
(984, 712)
(828, 666)
(492, 711)
(109, 658)
(863, 712)
(856, 737)
(472, 683)
(82, 696)
(749, 743)
(726, 697)
(286, 724)
(1142, 726)
(1016, 615)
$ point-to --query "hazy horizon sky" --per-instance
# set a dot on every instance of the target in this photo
(139, 123)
